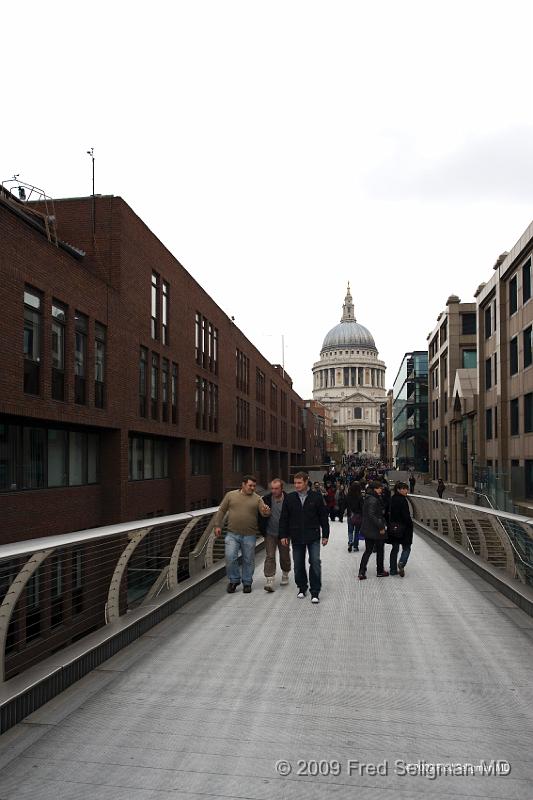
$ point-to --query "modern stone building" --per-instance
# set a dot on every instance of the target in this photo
(452, 374)
(505, 375)
(349, 379)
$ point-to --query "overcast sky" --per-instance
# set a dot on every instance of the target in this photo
(280, 149)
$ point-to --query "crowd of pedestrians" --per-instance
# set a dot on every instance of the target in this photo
(299, 521)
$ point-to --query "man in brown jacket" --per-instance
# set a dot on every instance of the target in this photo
(241, 507)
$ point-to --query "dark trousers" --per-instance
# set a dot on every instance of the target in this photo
(370, 546)
(300, 569)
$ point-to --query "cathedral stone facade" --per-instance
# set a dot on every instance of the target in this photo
(349, 380)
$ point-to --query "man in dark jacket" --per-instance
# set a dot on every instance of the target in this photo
(373, 529)
(303, 517)
(269, 527)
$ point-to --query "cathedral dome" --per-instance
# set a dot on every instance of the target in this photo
(349, 332)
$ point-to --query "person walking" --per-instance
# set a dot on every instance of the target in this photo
(441, 488)
(412, 482)
(241, 506)
(340, 501)
(304, 521)
(354, 510)
(400, 529)
(330, 502)
(373, 529)
(270, 528)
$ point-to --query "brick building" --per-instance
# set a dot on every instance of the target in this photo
(125, 391)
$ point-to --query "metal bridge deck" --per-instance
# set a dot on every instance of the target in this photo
(434, 668)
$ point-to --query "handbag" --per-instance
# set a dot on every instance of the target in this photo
(396, 530)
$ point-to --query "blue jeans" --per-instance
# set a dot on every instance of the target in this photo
(353, 532)
(300, 570)
(235, 543)
(394, 556)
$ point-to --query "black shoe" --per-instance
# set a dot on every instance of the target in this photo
(401, 570)
(383, 574)
(356, 549)
(230, 588)
(349, 548)
(246, 589)
(392, 572)
(361, 577)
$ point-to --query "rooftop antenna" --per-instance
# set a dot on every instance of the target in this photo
(91, 154)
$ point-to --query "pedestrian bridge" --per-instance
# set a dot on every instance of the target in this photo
(266, 696)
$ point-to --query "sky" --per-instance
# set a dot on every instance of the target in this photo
(282, 149)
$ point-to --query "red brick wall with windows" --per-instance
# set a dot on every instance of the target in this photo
(111, 285)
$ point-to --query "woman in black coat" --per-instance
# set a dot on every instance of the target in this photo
(400, 529)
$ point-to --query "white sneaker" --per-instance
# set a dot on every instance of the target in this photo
(301, 595)
(269, 585)
(284, 579)
(315, 600)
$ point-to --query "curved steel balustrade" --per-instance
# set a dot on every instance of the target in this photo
(502, 539)
(56, 590)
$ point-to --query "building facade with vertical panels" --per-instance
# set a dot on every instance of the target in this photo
(505, 374)
(452, 349)
(410, 412)
(125, 391)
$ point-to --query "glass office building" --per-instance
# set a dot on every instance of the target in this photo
(410, 412)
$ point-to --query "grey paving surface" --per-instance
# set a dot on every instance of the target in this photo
(433, 668)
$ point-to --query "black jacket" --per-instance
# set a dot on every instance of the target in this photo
(373, 519)
(303, 524)
(354, 503)
(399, 512)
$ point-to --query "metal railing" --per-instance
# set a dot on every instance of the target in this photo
(56, 590)
(500, 538)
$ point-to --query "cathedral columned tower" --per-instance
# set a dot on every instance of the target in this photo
(350, 380)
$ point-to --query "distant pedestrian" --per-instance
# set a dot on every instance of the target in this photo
(441, 488)
(354, 511)
(400, 529)
(270, 527)
(373, 529)
(241, 506)
(412, 482)
(304, 521)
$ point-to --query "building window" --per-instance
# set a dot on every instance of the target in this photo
(513, 295)
(148, 458)
(259, 385)
(174, 393)
(99, 364)
(526, 281)
(80, 362)
(528, 413)
(143, 374)
(527, 347)
(513, 356)
(201, 458)
(515, 425)
(206, 344)
(273, 429)
(164, 312)
(154, 387)
(273, 396)
(59, 321)
(443, 333)
(495, 369)
(468, 324)
(206, 405)
(242, 428)
(242, 368)
(154, 327)
(488, 373)
(57, 458)
(32, 340)
(164, 389)
(488, 423)
(528, 469)
(260, 424)
(34, 457)
(488, 325)
(469, 359)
